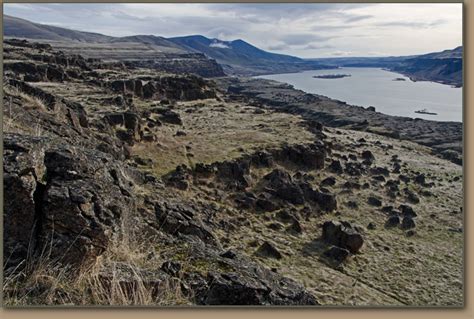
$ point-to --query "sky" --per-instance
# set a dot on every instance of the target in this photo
(305, 30)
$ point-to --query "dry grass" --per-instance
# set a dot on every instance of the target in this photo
(117, 278)
(11, 119)
(30, 101)
(217, 131)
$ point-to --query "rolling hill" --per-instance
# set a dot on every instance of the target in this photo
(236, 57)
(20, 28)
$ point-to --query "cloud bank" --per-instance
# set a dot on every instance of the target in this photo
(305, 30)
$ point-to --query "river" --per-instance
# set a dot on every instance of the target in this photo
(377, 87)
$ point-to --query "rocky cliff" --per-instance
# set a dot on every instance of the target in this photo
(125, 185)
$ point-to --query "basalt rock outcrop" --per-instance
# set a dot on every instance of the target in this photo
(73, 199)
(170, 185)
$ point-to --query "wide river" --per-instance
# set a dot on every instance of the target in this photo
(376, 87)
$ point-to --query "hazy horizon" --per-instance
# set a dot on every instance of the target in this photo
(306, 30)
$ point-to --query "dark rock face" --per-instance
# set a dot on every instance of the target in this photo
(411, 196)
(371, 226)
(235, 289)
(176, 218)
(380, 171)
(248, 283)
(168, 116)
(23, 171)
(342, 234)
(33, 72)
(368, 156)
(86, 199)
(335, 167)
(186, 88)
(306, 156)
(407, 210)
(408, 223)
(179, 178)
(420, 179)
(193, 63)
(330, 181)
(235, 174)
(75, 198)
(283, 187)
(295, 228)
(337, 254)
(374, 201)
(392, 221)
(452, 156)
(267, 250)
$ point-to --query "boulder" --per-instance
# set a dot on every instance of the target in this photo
(337, 254)
(329, 181)
(335, 167)
(392, 221)
(407, 210)
(267, 250)
(342, 234)
(282, 186)
(374, 201)
(408, 223)
(368, 156)
(295, 227)
(179, 218)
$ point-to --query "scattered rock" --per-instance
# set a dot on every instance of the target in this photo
(342, 234)
(229, 254)
(335, 167)
(267, 250)
(392, 221)
(368, 156)
(337, 254)
(374, 201)
(329, 181)
(410, 233)
(371, 226)
(407, 210)
(411, 196)
(295, 227)
(408, 223)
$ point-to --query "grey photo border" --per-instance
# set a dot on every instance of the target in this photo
(194, 307)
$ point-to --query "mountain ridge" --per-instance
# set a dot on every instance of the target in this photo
(236, 57)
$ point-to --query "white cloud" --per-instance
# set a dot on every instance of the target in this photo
(220, 45)
(306, 30)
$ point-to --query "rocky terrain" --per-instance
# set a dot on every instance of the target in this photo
(444, 138)
(134, 185)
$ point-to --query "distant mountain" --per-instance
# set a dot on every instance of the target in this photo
(231, 52)
(455, 53)
(149, 40)
(236, 57)
(20, 28)
(241, 57)
(443, 67)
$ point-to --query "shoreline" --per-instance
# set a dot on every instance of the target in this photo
(443, 137)
(362, 106)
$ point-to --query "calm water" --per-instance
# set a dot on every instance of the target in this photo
(375, 87)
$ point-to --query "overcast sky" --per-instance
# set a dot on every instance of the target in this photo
(305, 30)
